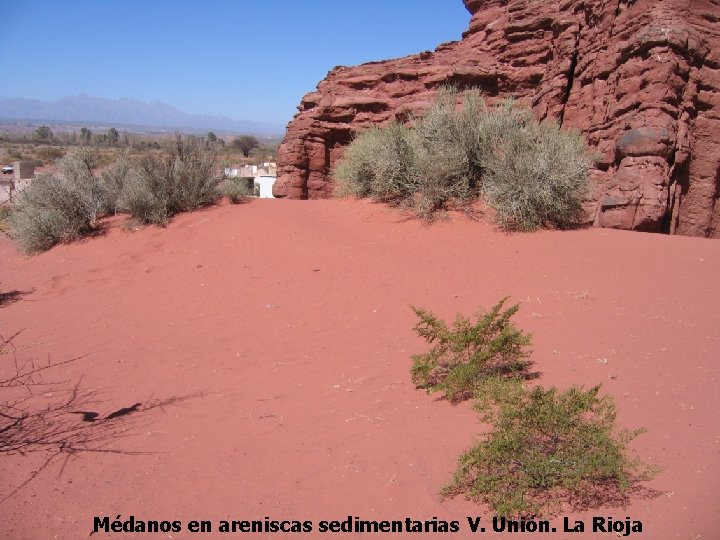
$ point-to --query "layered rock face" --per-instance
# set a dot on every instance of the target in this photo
(640, 79)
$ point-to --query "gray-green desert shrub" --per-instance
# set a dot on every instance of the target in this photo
(144, 198)
(379, 163)
(546, 448)
(537, 175)
(5, 212)
(466, 353)
(112, 183)
(422, 167)
(185, 179)
(446, 163)
(64, 205)
(533, 174)
(59, 206)
(235, 189)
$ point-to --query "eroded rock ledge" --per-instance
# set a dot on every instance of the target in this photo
(640, 79)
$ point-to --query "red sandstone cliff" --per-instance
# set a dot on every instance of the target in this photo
(640, 79)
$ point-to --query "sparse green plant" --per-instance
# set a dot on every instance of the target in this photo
(465, 354)
(546, 448)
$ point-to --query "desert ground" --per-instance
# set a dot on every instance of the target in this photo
(268, 346)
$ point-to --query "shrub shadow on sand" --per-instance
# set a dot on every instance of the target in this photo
(57, 419)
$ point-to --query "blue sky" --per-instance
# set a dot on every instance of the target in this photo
(246, 59)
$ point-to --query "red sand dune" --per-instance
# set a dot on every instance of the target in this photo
(292, 320)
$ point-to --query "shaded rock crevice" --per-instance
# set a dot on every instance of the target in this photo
(570, 79)
(640, 79)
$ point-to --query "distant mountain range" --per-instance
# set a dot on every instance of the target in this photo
(127, 112)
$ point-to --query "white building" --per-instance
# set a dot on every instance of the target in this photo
(263, 185)
(247, 171)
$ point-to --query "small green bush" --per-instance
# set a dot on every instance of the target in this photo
(235, 189)
(532, 174)
(183, 180)
(57, 207)
(546, 447)
(464, 355)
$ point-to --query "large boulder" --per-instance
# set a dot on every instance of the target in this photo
(639, 78)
